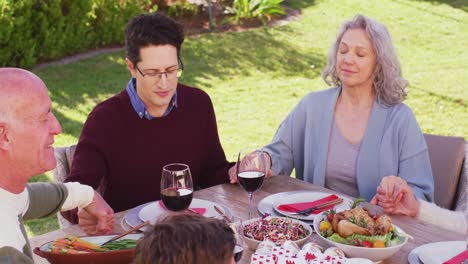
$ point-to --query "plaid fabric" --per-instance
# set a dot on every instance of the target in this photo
(64, 156)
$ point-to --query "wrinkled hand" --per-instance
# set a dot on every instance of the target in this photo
(97, 218)
(251, 161)
(396, 197)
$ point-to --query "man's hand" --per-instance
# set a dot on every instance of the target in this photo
(97, 218)
(396, 197)
(251, 161)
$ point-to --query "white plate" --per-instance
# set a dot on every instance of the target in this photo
(265, 206)
(308, 197)
(152, 211)
(437, 252)
(131, 217)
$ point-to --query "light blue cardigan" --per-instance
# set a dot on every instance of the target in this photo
(393, 144)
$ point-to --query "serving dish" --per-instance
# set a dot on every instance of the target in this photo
(253, 243)
(374, 254)
(109, 257)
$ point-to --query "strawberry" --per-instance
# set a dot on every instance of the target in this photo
(330, 217)
(366, 243)
(329, 214)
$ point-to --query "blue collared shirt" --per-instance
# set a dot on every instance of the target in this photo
(138, 105)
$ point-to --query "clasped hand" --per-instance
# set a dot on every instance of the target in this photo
(97, 218)
(396, 197)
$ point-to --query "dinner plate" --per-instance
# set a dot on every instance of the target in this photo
(309, 196)
(265, 206)
(437, 252)
(152, 211)
(131, 217)
(124, 224)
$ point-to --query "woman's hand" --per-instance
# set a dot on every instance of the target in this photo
(251, 162)
(396, 197)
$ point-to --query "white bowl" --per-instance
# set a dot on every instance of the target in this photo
(374, 254)
(253, 243)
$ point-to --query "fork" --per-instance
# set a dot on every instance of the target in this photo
(308, 211)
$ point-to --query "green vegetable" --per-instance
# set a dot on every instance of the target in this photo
(339, 239)
(362, 223)
(384, 238)
(390, 239)
(393, 242)
(357, 201)
(121, 244)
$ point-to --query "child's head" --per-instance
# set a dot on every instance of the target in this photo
(187, 238)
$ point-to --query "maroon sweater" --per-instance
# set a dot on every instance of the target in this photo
(123, 155)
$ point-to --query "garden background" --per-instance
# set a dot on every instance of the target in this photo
(256, 76)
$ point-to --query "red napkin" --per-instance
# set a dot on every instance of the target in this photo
(200, 211)
(295, 207)
(458, 259)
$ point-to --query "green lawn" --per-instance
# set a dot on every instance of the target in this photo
(256, 77)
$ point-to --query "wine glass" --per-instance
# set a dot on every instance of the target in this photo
(237, 226)
(251, 171)
(176, 186)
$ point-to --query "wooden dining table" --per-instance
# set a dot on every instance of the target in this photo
(235, 198)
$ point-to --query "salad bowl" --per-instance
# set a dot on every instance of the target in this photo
(373, 254)
(276, 229)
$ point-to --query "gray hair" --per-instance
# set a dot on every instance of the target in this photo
(389, 85)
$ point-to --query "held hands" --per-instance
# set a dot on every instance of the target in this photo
(251, 161)
(97, 218)
(396, 197)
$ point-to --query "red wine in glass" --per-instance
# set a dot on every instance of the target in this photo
(177, 199)
(176, 187)
(251, 171)
(251, 180)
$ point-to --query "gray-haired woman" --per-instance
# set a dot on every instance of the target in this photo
(349, 137)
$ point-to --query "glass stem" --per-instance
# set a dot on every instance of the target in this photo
(250, 205)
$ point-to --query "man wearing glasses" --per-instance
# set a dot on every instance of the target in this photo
(128, 138)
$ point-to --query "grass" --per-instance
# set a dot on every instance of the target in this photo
(256, 77)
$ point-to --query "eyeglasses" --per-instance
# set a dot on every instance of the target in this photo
(157, 75)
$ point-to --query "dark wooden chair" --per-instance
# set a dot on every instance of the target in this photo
(447, 155)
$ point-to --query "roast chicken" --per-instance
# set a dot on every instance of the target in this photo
(358, 221)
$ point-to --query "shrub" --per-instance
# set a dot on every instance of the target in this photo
(182, 8)
(41, 30)
(259, 9)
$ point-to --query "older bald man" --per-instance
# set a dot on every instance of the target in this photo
(27, 130)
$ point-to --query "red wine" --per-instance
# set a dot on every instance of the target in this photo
(251, 180)
(177, 199)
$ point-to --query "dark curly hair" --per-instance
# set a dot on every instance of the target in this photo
(186, 239)
(152, 29)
